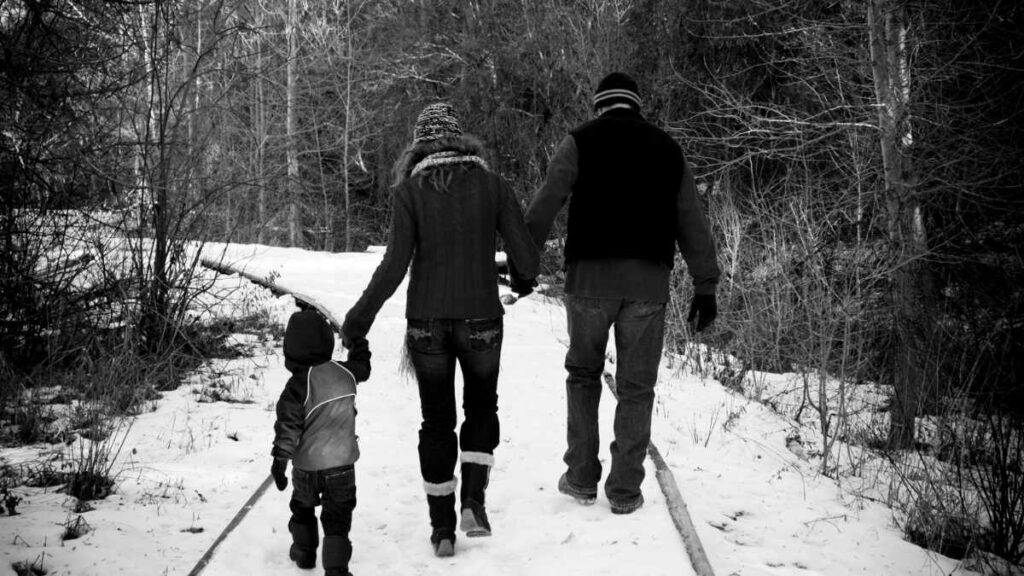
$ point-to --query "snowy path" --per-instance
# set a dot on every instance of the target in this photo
(536, 530)
(189, 464)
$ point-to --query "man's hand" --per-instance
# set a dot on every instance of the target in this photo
(703, 311)
(277, 470)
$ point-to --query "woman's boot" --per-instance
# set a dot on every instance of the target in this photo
(476, 471)
(442, 521)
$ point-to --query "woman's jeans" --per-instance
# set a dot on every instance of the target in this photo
(434, 347)
(639, 335)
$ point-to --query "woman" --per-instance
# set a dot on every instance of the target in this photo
(447, 209)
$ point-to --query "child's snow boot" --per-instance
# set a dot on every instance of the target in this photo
(336, 554)
(305, 540)
(475, 478)
(442, 521)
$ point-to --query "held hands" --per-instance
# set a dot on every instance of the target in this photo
(277, 470)
(520, 286)
(358, 361)
(703, 310)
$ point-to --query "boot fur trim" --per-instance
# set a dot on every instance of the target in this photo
(477, 458)
(442, 489)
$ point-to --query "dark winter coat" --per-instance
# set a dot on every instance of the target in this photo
(631, 196)
(624, 198)
(316, 413)
(445, 222)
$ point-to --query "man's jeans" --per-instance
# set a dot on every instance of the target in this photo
(639, 334)
(434, 347)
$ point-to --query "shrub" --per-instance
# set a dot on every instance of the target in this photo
(74, 529)
(91, 463)
(8, 501)
(998, 481)
(31, 568)
(931, 524)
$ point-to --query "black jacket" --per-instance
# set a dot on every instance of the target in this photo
(623, 202)
(690, 226)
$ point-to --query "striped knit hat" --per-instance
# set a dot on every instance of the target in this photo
(617, 88)
(436, 121)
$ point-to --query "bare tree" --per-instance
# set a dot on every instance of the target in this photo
(891, 70)
(291, 88)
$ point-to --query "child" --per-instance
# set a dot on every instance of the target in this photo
(315, 429)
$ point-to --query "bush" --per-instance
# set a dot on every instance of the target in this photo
(962, 489)
(8, 500)
(75, 529)
(930, 523)
(998, 481)
(31, 568)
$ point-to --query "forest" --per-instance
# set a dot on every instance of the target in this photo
(861, 163)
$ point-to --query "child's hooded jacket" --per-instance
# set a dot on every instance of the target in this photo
(315, 424)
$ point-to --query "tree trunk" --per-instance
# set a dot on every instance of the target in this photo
(890, 68)
(292, 144)
(193, 155)
(348, 123)
(260, 121)
(153, 301)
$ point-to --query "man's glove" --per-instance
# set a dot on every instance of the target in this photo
(521, 287)
(703, 310)
(277, 470)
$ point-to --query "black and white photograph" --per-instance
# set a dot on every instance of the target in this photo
(511, 287)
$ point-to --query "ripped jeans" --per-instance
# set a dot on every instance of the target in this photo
(434, 347)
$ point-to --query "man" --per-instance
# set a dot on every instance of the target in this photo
(631, 201)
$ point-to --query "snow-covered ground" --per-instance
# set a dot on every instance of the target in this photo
(188, 466)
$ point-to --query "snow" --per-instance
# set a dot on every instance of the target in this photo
(759, 509)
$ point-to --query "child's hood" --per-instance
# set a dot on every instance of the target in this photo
(308, 341)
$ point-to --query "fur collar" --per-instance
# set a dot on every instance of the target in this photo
(465, 145)
(446, 158)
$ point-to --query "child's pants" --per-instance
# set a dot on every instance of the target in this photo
(335, 490)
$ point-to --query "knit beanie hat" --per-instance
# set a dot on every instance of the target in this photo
(617, 88)
(436, 121)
